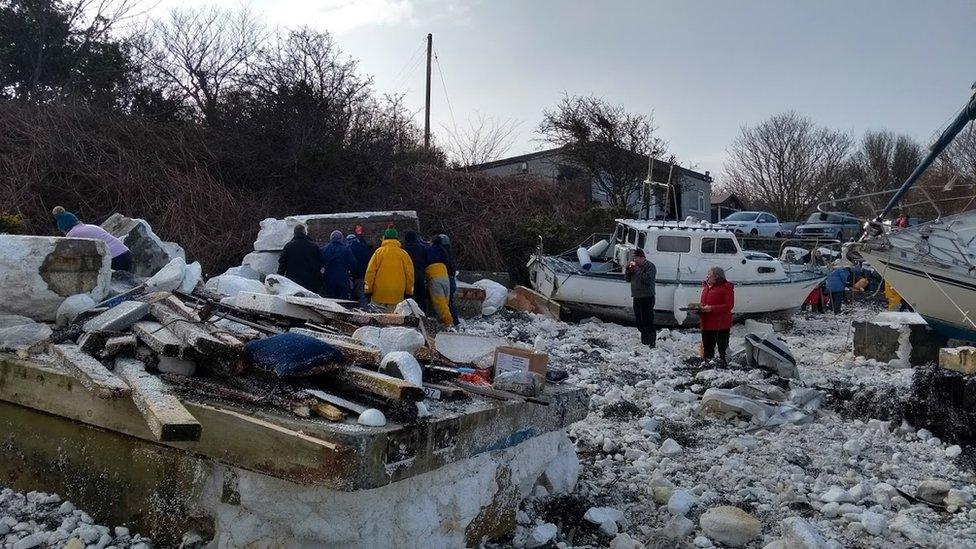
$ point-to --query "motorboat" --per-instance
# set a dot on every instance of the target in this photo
(590, 280)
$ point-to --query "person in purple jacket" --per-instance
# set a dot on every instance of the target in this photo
(69, 224)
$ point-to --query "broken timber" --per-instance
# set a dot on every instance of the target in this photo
(379, 384)
(330, 310)
(90, 372)
(167, 418)
(193, 334)
(337, 401)
(158, 338)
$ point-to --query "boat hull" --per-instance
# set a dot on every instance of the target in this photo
(945, 298)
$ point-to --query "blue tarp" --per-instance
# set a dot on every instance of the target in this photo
(291, 354)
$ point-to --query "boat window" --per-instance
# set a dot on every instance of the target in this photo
(618, 234)
(641, 240)
(718, 246)
(632, 236)
(667, 243)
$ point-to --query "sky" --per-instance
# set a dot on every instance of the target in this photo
(703, 69)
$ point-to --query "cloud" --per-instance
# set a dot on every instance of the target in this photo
(345, 15)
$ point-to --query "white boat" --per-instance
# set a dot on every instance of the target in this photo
(933, 267)
(682, 252)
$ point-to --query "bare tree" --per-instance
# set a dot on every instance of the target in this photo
(960, 158)
(200, 54)
(787, 165)
(883, 161)
(606, 141)
(485, 139)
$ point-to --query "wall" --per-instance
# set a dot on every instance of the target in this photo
(689, 197)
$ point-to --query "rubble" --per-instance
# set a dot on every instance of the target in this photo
(149, 252)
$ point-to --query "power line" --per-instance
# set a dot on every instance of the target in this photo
(440, 71)
(409, 66)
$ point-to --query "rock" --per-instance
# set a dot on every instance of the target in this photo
(600, 515)
(853, 447)
(953, 451)
(33, 540)
(9, 321)
(174, 250)
(121, 532)
(38, 273)
(23, 336)
(541, 535)
(836, 494)
(168, 278)
(276, 284)
(275, 233)
(678, 527)
(149, 253)
(800, 534)
(66, 508)
(831, 509)
(229, 285)
(468, 348)
(118, 318)
(72, 307)
(524, 383)
(403, 365)
(495, 296)
(372, 418)
(191, 277)
(624, 541)
(609, 528)
(729, 525)
(88, 533)
(874, 523)
(243, 271)
(908, 527)
(680, 502)
(670, 448)
(958, 498)
(263, 263)
(933, 490)
(391, 339)
(74, 543)
(702, 541)
(661, 494)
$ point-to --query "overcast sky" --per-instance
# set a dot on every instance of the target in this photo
(704, 68)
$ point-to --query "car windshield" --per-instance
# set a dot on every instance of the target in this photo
(742, 216)
(821, 217)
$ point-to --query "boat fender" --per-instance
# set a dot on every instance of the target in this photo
(680, 302)
(584, 258)
(598, 249)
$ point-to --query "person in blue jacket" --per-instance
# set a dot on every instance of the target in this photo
(340, 267)
(362, 252)
(837, 282)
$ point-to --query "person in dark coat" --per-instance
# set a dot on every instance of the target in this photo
(361, 251)
(444, 243)
(717, 301)
(340, 267)
(301, 261)
(642, 274)
(837, 282)
(418, 252)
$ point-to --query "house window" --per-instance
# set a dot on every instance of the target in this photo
(718, 246)
(680, 244)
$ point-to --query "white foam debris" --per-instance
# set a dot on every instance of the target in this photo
(495, 296)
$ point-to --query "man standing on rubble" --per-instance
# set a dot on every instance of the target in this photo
(390, 273)
(69, 224)
(418, 251)
(301, 261)
(642, 275)
(340, 266)
(362, 252)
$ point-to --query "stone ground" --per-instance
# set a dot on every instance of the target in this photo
(848, 479)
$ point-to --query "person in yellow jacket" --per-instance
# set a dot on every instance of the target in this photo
(389, 275)
(439, 283)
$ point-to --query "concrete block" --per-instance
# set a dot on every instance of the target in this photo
(37, 273)
(887, 339)
(960, 359)
(149, 252)
(263, 263)
(274, 304)
(118, 318)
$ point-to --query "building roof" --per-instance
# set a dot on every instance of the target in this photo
(556, 152)
(720, 197)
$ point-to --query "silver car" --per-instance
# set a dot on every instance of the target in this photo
(841, 226)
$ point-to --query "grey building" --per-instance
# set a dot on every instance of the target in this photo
(688, 195)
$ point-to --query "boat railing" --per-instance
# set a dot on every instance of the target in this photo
(927, 200)
(813, 249)
(585, 243)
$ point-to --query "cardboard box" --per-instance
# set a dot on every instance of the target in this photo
(509, 359)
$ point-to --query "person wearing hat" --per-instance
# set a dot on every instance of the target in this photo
(442, 242)
(69, 224)
(389, 275)
(301, 261)
(361, 251)
(340, 267)
(642, 275)
(418, 252)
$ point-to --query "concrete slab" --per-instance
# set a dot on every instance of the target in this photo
(149, 252)
(118, 318)
(37, 273)
(960, 359)
(276, 305)
(897, 337)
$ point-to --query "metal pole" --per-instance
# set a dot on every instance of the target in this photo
(430, 47)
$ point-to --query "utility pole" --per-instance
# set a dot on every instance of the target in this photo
(430, 47)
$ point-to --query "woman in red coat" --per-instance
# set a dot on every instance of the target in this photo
(717, 300)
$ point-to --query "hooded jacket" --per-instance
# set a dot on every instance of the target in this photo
(301, 261)
(418, 252)
(838, 280)
(721, 297)
(390, 274)
(362, 252)
(340, 266)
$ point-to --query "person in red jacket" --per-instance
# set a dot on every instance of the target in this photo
(717, 300)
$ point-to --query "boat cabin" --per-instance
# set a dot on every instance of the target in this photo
(686, 250)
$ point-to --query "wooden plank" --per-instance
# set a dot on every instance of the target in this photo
(193, 334)
(167, 418)
(352, 349)
(328, 411)
(379, 384)
(337, 401)
(331, 309)
(90, 372)
(180, 308)
(119, 345)
(158, 338)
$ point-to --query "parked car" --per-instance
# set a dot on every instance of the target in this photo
(842, 226)
(753, 223)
